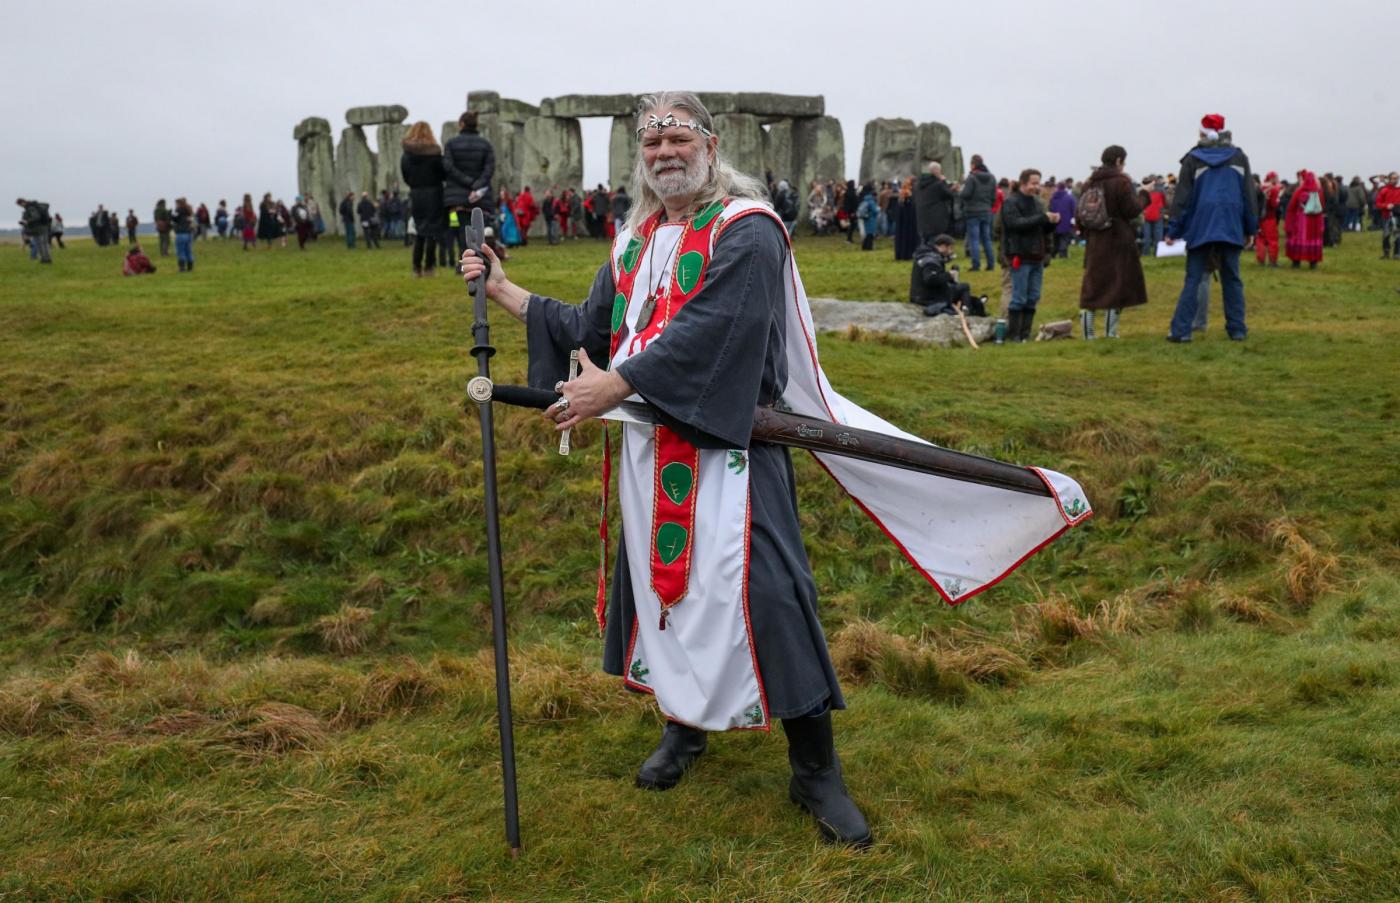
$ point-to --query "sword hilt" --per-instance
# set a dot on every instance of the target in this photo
(573, 375)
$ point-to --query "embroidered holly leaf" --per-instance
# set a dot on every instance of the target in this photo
(1076, 508)
(688, 270)
(954, 588)
(671, 539)
(639, 672)
(676, 481)
(738, 461)
(629, 256)
(754, 716)
(703, 218)
(619, 311)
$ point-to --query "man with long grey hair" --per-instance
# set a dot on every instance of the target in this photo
(701, 313)
(712, 608)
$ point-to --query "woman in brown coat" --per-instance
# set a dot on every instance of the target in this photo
(1112, 271)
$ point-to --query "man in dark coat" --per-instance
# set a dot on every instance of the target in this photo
(470, 163)
(1214, 212)
(979, 196)
(933, 203)
(35, 222)
(347, 218)
(1112, 263)
(1026, 230)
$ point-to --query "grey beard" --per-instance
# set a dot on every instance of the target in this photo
(667, 185)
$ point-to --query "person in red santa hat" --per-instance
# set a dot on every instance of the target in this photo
(1215, 212)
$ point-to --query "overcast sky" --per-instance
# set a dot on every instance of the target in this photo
(119, 104)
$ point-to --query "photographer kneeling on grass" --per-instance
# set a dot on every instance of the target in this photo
(934, 286)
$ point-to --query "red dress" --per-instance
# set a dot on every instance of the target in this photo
(1304, 229)
(1266, 244)
(525, 211)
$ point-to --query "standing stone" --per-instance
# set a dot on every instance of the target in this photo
(392, 113)
(889, 150)
(935, 141)
(741, 142)
(484, 101)
(507, 140)
(449, 130)
(818, 154)
(390, 141)
(354, 164)
(777, 151)
(552, 155)
(316, 168)
(311, 125)
(622, 153)
(953, 169)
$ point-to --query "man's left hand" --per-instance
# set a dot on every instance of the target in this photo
(590, 394)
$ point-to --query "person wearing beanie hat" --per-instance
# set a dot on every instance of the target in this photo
(1215, 211)
(1266, 244)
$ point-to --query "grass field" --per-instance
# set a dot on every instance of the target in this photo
(244, 626)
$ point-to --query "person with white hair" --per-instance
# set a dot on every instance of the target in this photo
(700, 312)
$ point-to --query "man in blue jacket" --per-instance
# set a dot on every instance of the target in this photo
(1214, 212)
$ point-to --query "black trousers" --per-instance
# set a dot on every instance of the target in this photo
(424, 252)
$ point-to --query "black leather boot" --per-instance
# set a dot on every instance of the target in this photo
(678, 750)
(816, 783)
(1013, 326)
(1027, 320)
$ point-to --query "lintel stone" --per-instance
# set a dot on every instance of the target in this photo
(764, 104)
(390, 113)
(578, 106)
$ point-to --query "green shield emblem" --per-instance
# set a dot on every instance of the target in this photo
(677, 480)
(688, 270)
(629, 256)
(619, 311)
(703, 218)
(671, 539)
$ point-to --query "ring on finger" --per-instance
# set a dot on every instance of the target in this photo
(562, 405)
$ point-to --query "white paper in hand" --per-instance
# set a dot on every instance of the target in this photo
(1175, 249)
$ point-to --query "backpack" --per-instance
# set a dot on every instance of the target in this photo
(1092, 214)
(36, 213)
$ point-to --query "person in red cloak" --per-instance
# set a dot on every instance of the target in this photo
(1304, 222)
(525, 212)
(137, 263)
(1266, 243)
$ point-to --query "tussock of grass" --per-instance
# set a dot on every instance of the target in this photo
(346, 631)
(274, 729)
(1308, 572)
(32, 706)
(1246, 608)
(864, 652)
(1056, 620)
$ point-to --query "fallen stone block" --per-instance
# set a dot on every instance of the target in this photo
(897, 318)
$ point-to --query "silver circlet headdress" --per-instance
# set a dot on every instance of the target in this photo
(670, 121)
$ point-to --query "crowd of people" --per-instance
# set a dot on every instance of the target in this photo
(1020, 225)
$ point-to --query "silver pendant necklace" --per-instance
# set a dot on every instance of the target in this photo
(648, 309)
